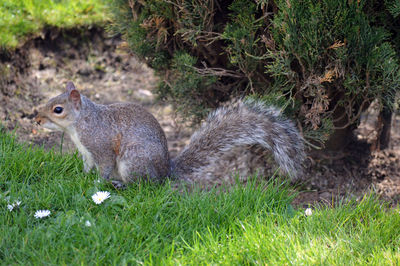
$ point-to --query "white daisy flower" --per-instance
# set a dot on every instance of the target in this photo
(10, 207)
(87, 223)
(42, 213)
(100, 196)
(308, 212)
(13, 206)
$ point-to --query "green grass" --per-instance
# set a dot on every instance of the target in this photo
(153, 224)
(22, 18)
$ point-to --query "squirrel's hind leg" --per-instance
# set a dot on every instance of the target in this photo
(106, 171)
(118, 184)
(133, 169)
(137, 161)
(109, 173)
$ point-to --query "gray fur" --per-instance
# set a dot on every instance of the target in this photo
(243, 123)
(124, 141)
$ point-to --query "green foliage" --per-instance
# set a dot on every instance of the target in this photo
(326, 59)
(342, 63)
(147, 28)
(393, 7)
(19, 19)
(151, 223)
(183, 80)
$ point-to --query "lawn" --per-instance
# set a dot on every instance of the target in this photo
(154, 224)
(150, 223)
(20, 19)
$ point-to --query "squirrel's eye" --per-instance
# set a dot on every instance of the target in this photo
(58, 110)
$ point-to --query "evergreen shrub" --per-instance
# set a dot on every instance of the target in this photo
(322, 61)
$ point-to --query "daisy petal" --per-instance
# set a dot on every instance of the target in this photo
(100, 196)
(42, 213)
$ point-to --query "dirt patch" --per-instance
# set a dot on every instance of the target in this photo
(106, 72)
(337, 176)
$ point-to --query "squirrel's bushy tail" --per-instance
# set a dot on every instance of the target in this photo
(246, 122)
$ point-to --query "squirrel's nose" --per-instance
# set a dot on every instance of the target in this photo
(38, 120)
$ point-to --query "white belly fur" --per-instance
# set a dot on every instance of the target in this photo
(86, 155)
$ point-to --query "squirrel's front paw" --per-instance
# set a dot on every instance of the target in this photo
(87, 167)
(118, 184)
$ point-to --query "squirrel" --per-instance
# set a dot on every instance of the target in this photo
(125, 142)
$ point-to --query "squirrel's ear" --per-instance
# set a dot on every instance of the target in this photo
(70, 86)
(75, 98)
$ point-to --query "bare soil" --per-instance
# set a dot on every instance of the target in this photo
(103, 69)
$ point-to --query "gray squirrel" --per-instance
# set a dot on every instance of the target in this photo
(125, 142)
